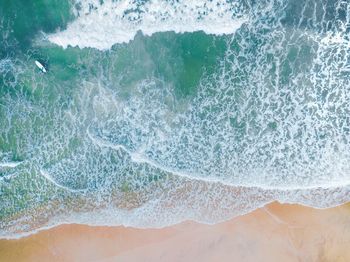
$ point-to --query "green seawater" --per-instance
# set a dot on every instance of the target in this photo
(130, 128)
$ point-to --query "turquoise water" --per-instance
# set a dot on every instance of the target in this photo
(155, 112)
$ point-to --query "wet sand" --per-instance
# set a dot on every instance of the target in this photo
(274, 233)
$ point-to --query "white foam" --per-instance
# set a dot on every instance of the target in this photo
(119, 21)
(216, 158)
(10, 164)
(140, 158)
(53, 181)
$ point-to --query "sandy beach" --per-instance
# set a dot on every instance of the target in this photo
(277, 232)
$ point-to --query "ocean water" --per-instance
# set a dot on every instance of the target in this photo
(153, 112)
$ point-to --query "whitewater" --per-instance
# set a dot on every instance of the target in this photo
(156, 112)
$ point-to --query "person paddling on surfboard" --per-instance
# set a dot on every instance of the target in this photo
(40, 66)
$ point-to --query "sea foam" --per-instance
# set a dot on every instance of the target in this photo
(102, 25)
(270, 123)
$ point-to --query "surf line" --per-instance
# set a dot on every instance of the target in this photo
(50, 179)
(137, 157)
(10, 164)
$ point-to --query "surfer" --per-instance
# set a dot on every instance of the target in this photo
(40, 66)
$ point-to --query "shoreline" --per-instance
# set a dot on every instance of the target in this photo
(22, 235)
(284, 231)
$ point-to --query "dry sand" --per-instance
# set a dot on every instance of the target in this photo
(274, 233)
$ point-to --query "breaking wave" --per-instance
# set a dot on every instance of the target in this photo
(119, 144)
(102, 24)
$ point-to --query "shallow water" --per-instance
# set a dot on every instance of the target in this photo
(154, 112)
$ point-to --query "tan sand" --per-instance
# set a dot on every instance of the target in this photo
(274, 233)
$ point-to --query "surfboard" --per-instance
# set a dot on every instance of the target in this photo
(41, 67)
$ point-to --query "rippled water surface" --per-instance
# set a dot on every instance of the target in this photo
(157, 111)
